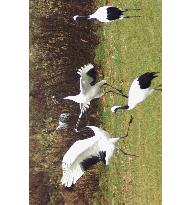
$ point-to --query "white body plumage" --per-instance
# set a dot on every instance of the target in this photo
(140, 89)
(106, 14)
(88, 92)
(82, 150)
(101, 14)
(137, 95)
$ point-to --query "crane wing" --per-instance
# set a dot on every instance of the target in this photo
(88, 77)
(83, 108)
(140, 88)
(82, 154)
(107, 142)
(72, 161)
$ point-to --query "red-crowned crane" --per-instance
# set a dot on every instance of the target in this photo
(139, 91)
(89, 89)
(107, 14)
(84, 153)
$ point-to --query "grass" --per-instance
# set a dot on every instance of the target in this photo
(129, 48)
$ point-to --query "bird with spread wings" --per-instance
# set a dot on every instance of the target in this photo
(89, 89)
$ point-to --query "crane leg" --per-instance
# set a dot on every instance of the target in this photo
(127, 17)
(111, 91)
(131, 10)
(158, 88)
(126, 135)
(119, 90)
(129, 124)
(125, 153)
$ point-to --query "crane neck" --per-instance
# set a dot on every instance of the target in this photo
(125, 107)
(76, 98)
(83, 17)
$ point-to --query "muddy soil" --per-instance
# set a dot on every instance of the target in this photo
(58, 47)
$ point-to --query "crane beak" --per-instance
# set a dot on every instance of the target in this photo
(76, 130)
(56, 99)
(114, 109)
(75, 17)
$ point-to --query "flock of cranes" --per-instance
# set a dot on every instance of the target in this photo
(101, 146)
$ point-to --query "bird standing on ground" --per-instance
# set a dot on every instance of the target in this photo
(139, 91)
(107, 14)
(84, 153)
(89, 89)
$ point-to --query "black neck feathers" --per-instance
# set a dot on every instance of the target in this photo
(125, 107)
(83, 17)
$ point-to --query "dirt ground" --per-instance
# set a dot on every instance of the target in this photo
(58, 47)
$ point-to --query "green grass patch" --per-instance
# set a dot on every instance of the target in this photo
(129, 48)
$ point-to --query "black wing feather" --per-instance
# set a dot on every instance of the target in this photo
(86, 164)
(93, 74)
(113, 13)
(146, 78)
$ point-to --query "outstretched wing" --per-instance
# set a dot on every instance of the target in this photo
(88, 77)
(84, 153)
(83, 108)
(77, 159)
(107, 142)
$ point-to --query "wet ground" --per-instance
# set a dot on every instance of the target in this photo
(58, 47)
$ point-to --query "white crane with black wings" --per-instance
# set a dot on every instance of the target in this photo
(83, 153)
(140, 89)
(89, 89)
(106, 14)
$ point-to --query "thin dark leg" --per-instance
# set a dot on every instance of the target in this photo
(111, 91)
(129, 124)
(119, 90)
(158, 88)
(131, 10)
(125, 153)
(127, 17)
(126, 135)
